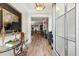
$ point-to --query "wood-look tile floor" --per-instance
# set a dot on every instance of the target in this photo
(39, 46)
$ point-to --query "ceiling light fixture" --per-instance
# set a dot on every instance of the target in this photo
(40, 6)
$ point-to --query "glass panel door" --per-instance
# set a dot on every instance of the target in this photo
(71, 32)
(66, 29)
(60, 29)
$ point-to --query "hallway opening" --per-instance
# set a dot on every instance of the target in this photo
(41, 36)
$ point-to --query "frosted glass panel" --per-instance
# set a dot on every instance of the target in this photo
(60, 45)
(59, 9)
(71, 48)
(70, 6)
(65, 29)
(71, 24)
(78, 50)
(60, 26)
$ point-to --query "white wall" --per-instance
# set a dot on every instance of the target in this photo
(25, 21)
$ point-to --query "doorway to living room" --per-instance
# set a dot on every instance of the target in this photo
(40, 43)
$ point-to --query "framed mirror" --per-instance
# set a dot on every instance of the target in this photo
(10, 19)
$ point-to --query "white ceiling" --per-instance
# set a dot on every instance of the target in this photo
(30, 7)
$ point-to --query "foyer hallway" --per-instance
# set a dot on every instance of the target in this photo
(39, 46)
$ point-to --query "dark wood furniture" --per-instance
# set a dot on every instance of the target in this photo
(18, 50)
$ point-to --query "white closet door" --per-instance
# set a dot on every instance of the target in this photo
(59, 36)
(71, 48)
(60, 26)
(71, 24)
(60, 45)
(59, 9)
(70, 6)
(71, 29)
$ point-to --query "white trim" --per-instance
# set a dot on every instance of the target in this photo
(53, 31)
(77, 29)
